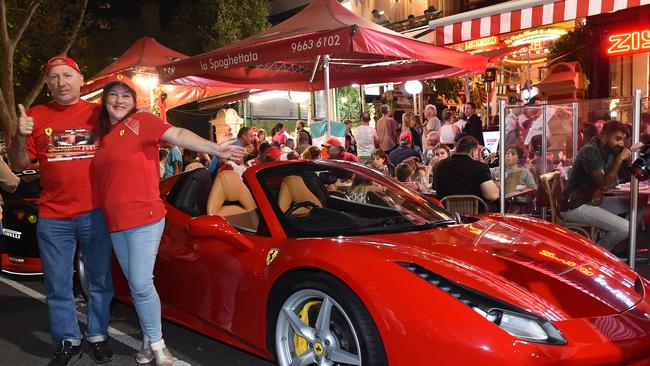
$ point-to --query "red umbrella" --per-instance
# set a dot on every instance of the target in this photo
(142, 57)
(324, 35)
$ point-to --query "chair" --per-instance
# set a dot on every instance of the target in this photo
(231, 199)
(553, 187)
(464, 204)
(293, 189)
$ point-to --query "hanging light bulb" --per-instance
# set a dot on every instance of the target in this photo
(298, 97)
(413, 87)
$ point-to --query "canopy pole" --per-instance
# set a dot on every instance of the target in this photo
(634, 182)
(328, 102)
(313, 72)
(502, 156)
(574, 142)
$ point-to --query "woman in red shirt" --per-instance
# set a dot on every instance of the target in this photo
(125, 174)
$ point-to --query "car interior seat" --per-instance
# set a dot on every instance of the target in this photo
(293, 189)
(231, 199)
(190, 194)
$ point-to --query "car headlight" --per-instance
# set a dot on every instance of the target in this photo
(518, 322)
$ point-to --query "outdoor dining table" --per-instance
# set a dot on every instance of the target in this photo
(623, 190)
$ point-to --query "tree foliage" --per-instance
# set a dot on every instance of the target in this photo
(30, 33)
(203, 25)
(351, 109)
(447, 88)
(573, 47)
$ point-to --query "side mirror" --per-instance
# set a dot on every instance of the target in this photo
(216, 227)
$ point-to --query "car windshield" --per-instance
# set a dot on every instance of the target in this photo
(332, 199)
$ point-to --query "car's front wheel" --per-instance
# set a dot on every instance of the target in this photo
(322, 322)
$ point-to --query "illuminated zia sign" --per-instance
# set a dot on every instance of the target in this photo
(628, 42)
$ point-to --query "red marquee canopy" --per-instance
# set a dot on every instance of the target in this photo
(290, 54)
(142, 57)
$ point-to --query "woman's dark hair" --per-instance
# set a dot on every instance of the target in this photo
(312, 153)
(518, 150)
(104, 119)
(278, 127)
(263, 147)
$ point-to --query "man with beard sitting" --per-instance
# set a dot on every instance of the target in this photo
(594, 172)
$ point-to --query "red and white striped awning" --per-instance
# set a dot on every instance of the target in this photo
(518, 15)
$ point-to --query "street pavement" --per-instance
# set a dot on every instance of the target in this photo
(25, 340)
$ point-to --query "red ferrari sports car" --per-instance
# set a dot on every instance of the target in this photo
(332, 263)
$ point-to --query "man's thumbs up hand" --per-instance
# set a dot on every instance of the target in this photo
(25, 122)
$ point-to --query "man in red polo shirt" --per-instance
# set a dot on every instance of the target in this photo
(335, 151)
(61, 136)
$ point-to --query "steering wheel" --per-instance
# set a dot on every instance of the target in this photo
(296, 205)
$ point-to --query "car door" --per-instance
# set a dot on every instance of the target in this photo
(206, 278)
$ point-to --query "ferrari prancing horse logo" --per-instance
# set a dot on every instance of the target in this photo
(273, 253)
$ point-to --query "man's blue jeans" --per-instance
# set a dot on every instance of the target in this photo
(57, 242)
(136, 250)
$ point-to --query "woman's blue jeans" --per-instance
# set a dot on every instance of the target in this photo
(136, 251)
(57, 242)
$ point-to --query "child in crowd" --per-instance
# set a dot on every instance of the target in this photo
(380, 162)
(440, 153)
(312, 153)
(360, 188)
(419, 172)
(403, 173)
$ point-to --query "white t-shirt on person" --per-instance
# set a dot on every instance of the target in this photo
(365, 136)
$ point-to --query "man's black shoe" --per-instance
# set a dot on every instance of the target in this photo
(66, 354)
(100, 351)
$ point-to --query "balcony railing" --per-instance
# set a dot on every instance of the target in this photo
(414, 22)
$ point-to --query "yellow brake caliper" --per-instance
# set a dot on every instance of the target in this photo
(300, 343)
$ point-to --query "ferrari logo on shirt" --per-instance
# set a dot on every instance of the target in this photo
(48, 131)
(273, 253)
(121, 132)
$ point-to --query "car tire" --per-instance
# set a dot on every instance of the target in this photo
(350, 338)
(80, 275)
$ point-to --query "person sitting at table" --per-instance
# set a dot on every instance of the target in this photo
(594, 172)
(514, 158)
(441, 152)
(463, 173)
(404, 150)
(404, 174)
(419, 172)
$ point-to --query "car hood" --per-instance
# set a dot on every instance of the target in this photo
(538, 266)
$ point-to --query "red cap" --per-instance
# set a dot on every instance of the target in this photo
(406, 136)
(61, 60)
(120, 79)
(273, 153)
(332, 141)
